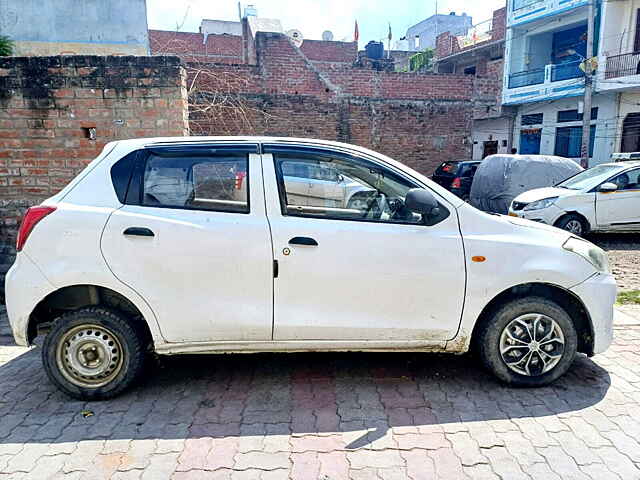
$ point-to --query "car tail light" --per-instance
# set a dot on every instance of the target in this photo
(30, 220)
(456, 183)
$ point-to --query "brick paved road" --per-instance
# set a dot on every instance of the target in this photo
(327, 416)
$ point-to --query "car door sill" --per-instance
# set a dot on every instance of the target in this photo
(300, 346)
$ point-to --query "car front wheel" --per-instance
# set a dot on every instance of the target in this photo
(528, 342)
(93, 353)
(574, 224)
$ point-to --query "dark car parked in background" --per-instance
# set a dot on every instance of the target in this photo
(456, 176)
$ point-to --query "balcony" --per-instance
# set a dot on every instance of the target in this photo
(622, 65)
(545, 83)
(549, 73)
(619, 72)
(478, 33)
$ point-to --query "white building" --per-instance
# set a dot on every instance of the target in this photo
(619, 69)
(545, 44)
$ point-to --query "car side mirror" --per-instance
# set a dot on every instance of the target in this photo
(419, 200)
(608, 187)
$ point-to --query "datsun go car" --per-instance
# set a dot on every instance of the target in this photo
(199, 245)
(605, 198)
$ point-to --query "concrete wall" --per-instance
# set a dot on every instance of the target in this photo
(496, 129)
(76, 27)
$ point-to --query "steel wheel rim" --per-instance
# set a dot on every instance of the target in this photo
(574, 226)
(89, 356)
(532, 344)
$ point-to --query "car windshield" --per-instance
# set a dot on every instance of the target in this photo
(590, 178)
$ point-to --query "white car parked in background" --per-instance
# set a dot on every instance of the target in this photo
(605, 198)
(205, 245)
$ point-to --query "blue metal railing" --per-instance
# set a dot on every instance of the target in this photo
(524, 79)
(565, 71)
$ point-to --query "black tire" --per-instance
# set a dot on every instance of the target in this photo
(489, 336)
(131, 360)
(573, 219)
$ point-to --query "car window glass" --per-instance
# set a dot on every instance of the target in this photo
(218, 183)
(590, 178)
(628, 180)
(350, 189)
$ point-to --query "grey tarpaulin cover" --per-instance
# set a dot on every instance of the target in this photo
(501, 178)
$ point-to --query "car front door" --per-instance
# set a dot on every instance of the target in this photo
(193, 240)
(360, 271)
(620, 209)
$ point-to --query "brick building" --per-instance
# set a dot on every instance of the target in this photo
(480, 54)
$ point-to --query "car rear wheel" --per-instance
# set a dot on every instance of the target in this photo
(93, 353)
(573, 223)
(528, 342)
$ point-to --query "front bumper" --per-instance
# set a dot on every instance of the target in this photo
(547, 215)
(598, 294)
(25, 286)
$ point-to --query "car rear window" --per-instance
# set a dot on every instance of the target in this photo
(203, 182)
(121, 172)
(467, 169)
(447, 168)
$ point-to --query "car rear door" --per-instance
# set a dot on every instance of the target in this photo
(350, 273)
(193, 240)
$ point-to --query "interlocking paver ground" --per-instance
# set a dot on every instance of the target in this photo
(326, 416)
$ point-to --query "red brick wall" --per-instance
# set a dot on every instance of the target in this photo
(322, 51)
(46, 103)
(191, 47)
(499, 25)
(416, 118)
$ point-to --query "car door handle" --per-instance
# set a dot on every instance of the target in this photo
(139, 232)
(303, 241)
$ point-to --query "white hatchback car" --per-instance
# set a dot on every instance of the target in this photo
(605, 198)
(196, 245)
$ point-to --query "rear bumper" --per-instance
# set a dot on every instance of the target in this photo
(598, 294)
(25, 286)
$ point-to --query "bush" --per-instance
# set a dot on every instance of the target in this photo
(6, 46)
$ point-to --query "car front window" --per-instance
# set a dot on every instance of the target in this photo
(358, 189)
(590, 178)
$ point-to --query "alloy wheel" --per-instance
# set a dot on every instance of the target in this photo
(532, 344)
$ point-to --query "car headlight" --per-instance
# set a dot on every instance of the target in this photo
(544, 203)
(594, 255)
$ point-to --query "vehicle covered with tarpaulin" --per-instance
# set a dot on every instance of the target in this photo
(500, 178)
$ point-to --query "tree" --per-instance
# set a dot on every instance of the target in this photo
(6, 46)
(422, 61)
(217, 105)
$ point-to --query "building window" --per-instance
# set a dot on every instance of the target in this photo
(532, 119)
(574, 116)
(631, 133)
(569, 141)
(518, 4)
(636, 40)
(470, 70)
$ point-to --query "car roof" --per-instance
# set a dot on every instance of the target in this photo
(625, 164)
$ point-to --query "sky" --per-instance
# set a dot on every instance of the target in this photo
(312, 17)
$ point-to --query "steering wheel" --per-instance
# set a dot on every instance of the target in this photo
(375, 206)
